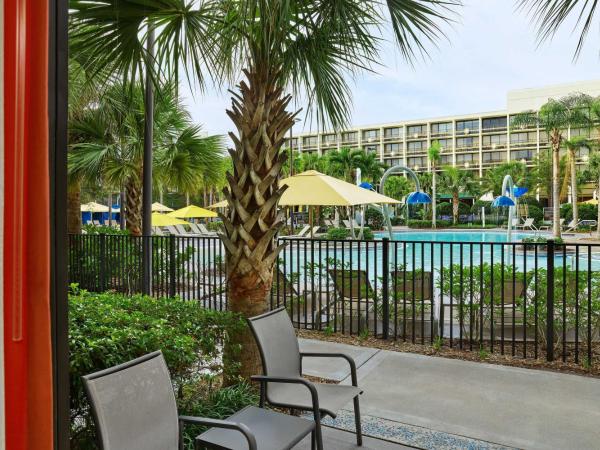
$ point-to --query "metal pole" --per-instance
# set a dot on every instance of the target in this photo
(147, 172)
(385, 291)
(550, 300)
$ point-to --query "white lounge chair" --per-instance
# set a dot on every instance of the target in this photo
(174, 231)
(302, 232)
(528, 224)
(205, 231)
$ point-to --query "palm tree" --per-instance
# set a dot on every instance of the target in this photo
(550, 15)
(434, 154)
(594, 173)
(493, 178)
(555, 116)
(110, 146)
(345, 161)
(457, 181)
(370, 166)
(573, 145)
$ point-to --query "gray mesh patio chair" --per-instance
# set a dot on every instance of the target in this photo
(282, 383)
(134, 409)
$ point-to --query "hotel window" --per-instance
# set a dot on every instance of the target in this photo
(467, 126)
(391, 133)
(467, 142)
(585, 132)
(416, 131)
(393, 149)
(441, 128)
(417, 163)
(350, 136)
(329, 139)
(391, 162)
(446, 160)
(527, 155)
(445, 144)
(492, 157)
(370, 135)
(523, 138)
(417, 146)
(371, 148)
(582, 152)
(494, 123)
(466, 158)
(309, 141)
(294, 143)
(494, 140)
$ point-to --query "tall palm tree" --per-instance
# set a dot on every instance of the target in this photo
(370, 166)
(549, 15)
(285, 48)
(434, 153)
(457, 181)
(574, 144)
(555, 117)
(493, 178)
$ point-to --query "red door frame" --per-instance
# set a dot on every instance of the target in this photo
(34, 285)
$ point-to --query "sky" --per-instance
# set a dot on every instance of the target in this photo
(490, 50)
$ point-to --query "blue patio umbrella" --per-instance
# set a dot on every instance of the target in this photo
(418, 197)
(366, 185)
(502, 200)
(519, 191)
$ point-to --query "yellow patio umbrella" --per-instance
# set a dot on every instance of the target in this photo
(94, 207)
(192, 211)
(221, 204)
(159, 207)
(592, 201)
(164, 220)
(312, 188)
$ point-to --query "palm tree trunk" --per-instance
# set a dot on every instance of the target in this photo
(455, 208)
(574, 186)
(252, 223)
(74, 207)
(433, 200)
(133, 206)
(555, 185)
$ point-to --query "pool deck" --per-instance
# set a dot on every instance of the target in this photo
(438, 403)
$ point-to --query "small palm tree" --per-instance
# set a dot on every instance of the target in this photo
(573, 145)
(493, 178)
(434, 153)
(594, 173)
(457, 181)
(370, 166)
(555, 117)
(345, 161)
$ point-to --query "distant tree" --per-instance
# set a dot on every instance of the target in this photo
(554, 117)
(573, 145)
(594, 173)
(344, 162)
(457, 181)
(397, 187)
(434, 154)
(493, 178)
(370, 166)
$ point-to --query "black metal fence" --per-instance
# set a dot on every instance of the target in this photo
(526, 300)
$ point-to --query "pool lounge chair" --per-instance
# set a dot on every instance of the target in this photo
(353, 292)
(282, 383)
(205, 231)
(134, 408)
(527, 225)
(302, 232)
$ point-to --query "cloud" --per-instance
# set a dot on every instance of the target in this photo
(490, 50)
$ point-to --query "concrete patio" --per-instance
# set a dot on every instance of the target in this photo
(439, 403)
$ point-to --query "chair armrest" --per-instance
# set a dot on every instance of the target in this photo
(216, 423)
(264, 379)
(335, 355)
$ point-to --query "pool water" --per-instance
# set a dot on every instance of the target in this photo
(456, 236)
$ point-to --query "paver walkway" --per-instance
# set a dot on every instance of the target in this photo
(431, 402)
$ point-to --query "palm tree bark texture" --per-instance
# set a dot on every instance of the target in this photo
(259, 114)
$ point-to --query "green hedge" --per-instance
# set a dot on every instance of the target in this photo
(108, 329)
(427, 223)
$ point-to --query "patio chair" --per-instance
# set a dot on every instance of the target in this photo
(205, 231)
(302, 232)
(184, 232)
(352, 287)
(134, 408)
(508, 303)
(157, 231)
(173, 231)
(282, 384)
(527, 225)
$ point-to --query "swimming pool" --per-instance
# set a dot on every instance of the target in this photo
(456, 236)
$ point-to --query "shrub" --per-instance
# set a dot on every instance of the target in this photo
(535, 212)
(108, 329)
(368, 234)
(214, 226)
(476, 208)
(586, 212)
(374, 219)
(338, 233)
(102, 229)
(427, 223)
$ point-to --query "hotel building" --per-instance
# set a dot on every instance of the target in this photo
(472, 141)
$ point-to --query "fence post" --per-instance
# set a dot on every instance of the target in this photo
(385, 288)
(172, 265)
(550, 300)
(102, 241)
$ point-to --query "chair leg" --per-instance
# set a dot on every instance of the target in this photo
(357, 422)
(318, 436)
(313, 440)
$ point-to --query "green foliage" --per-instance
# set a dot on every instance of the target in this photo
(328, 330)
(374, 219)
(214, 226)
(476, 208)
(427, 223)
(338, 233)
(368, 234)
(397, 187)
(535, 212)
(493, 177)
(109, 329)
(586, 212)
(445, 209)
(102, 229)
